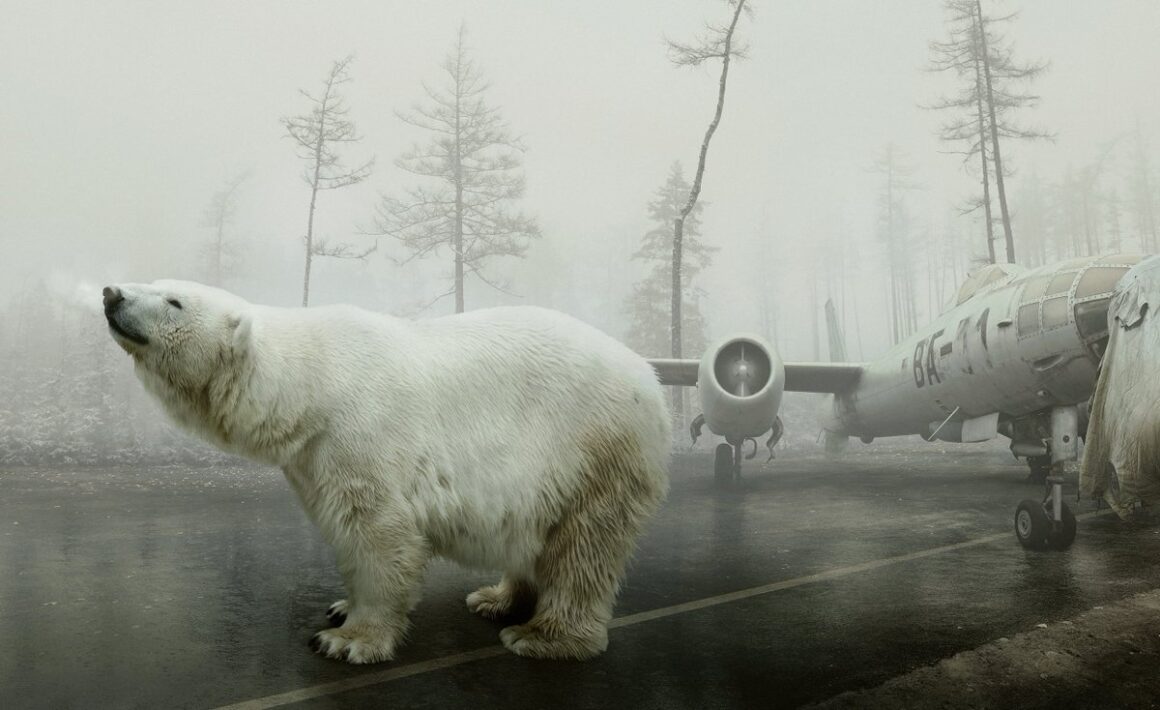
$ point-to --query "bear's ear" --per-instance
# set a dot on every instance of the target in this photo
(241, 330)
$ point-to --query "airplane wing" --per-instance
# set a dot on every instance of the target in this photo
(825, 377)
(682, 373)
(822, 377)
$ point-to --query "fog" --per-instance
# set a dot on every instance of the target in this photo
(123, 119)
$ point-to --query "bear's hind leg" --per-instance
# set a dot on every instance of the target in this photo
(511, 597)
(577, 581)
(579, 570)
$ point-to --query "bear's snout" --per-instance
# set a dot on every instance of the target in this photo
(113, 298)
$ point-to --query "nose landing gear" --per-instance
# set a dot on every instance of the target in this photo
(1050, 524)
(1036, 526)
(727, 461)
(726, 466)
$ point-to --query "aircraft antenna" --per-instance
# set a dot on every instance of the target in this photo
(944, 423)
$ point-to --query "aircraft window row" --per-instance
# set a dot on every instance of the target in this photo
(1053, 290)
(1091, 316)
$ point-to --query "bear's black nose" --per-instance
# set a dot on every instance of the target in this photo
(113, 298)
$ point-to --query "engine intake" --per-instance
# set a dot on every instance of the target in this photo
(741, 381)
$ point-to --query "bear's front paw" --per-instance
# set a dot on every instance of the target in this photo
(507, 599)
(336, 614)
(490, 602)
(361, 644)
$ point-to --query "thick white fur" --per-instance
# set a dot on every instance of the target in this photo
(515, 439)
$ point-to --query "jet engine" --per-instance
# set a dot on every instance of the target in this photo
(741, 381)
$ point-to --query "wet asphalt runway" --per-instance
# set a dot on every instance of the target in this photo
(182, 587)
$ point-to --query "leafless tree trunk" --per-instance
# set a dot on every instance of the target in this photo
(316, 135)
(719, 45)
(648, 306)
(988, 219)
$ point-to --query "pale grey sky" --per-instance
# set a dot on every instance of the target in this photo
(122, 118)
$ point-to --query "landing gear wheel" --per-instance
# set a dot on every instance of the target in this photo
(1032, 525)
(1063, 533)
(723, 465)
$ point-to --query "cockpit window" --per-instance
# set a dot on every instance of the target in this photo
(1055, 312)
(989, 274)
(1098, 280)
(1028, 319)
(1035, 288)
(1091, 318)
(1061, 283)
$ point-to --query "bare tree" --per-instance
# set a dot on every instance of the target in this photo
(218, 215)
(472, 166)
(316, 135)
(717, 44)
(977, 53)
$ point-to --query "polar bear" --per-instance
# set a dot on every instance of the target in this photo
(516, 439)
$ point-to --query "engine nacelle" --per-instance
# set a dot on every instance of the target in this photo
(741, 381)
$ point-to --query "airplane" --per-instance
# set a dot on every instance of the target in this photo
(1016, 354)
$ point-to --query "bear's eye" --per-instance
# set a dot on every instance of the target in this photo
(175, 303)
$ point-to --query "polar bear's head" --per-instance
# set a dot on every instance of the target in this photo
(179, 332)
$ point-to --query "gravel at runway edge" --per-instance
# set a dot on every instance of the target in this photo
(1106, 657)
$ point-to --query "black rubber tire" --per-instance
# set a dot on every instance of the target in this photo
(1063, 535)
(723, 465)
(1032, 525)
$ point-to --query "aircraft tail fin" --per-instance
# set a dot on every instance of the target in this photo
(837, 340)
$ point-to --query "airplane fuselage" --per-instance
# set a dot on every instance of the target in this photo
(1016, 343)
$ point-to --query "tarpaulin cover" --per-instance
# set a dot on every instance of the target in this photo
(1121, 459)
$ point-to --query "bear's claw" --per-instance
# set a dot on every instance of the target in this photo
(336, 614)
